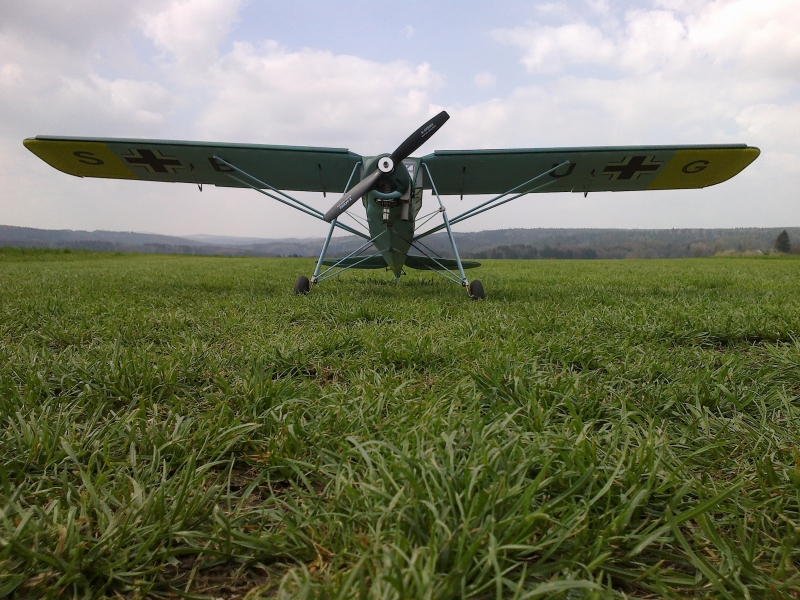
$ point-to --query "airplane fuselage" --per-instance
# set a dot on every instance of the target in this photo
(392, 211)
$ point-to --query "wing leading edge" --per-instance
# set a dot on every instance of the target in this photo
(295, 168)
(598, 169)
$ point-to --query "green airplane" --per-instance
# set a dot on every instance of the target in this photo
(391, 186)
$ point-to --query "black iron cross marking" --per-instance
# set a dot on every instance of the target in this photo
(153, 161)
(632, 167)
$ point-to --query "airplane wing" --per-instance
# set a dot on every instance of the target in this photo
(461, 172)
(598, 169)
(296, 168)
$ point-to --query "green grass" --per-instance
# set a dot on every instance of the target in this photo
(183, 425)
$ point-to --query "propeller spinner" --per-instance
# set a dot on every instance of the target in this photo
(386, 165)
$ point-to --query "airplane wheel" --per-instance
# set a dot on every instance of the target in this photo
(302, 286)
(476, 290)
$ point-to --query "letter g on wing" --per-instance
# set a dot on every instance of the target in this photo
(695, 166)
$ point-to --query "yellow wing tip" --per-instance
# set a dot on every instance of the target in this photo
(43, 151)
(81, 158)
(694, 168)
(31, 143)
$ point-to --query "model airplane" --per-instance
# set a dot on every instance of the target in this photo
(391, 185)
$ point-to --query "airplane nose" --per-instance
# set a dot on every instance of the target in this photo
(386, 164)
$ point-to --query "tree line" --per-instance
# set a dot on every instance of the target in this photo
(530, 252)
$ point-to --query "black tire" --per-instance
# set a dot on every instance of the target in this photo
(476, 290)
(302, 286)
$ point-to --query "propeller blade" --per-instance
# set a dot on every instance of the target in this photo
(403, 151)
(350, 197)
(419, 137)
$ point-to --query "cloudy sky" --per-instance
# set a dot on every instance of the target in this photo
(363, 75)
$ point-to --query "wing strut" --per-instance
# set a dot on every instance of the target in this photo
(446, 224)
(287, 199)
(488, 205)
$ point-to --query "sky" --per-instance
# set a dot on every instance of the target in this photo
(364, 75)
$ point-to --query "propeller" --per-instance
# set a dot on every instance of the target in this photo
(386, 165)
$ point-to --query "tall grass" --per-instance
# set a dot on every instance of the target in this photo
(186, 426)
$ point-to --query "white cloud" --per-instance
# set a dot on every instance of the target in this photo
(776, 125)
(762, 37)
(758, 38)
(142, 101)
(409, 31)
(665, 76)
(599, 6)
(73, 25)
(485, 79)
(60, 65)
(554, 10)
(683, 6)
(190, 31)
(551, 49)
(269, 93)
(10, 74)
(651, 40)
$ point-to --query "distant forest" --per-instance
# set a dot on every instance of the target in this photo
(502, 243)
(635, 243)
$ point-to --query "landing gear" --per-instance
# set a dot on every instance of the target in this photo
(302, 286)
(475, 290)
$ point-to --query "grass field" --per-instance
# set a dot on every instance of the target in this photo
(181, 425)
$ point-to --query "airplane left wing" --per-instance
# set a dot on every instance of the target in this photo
(297, 168)
(593, 169)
